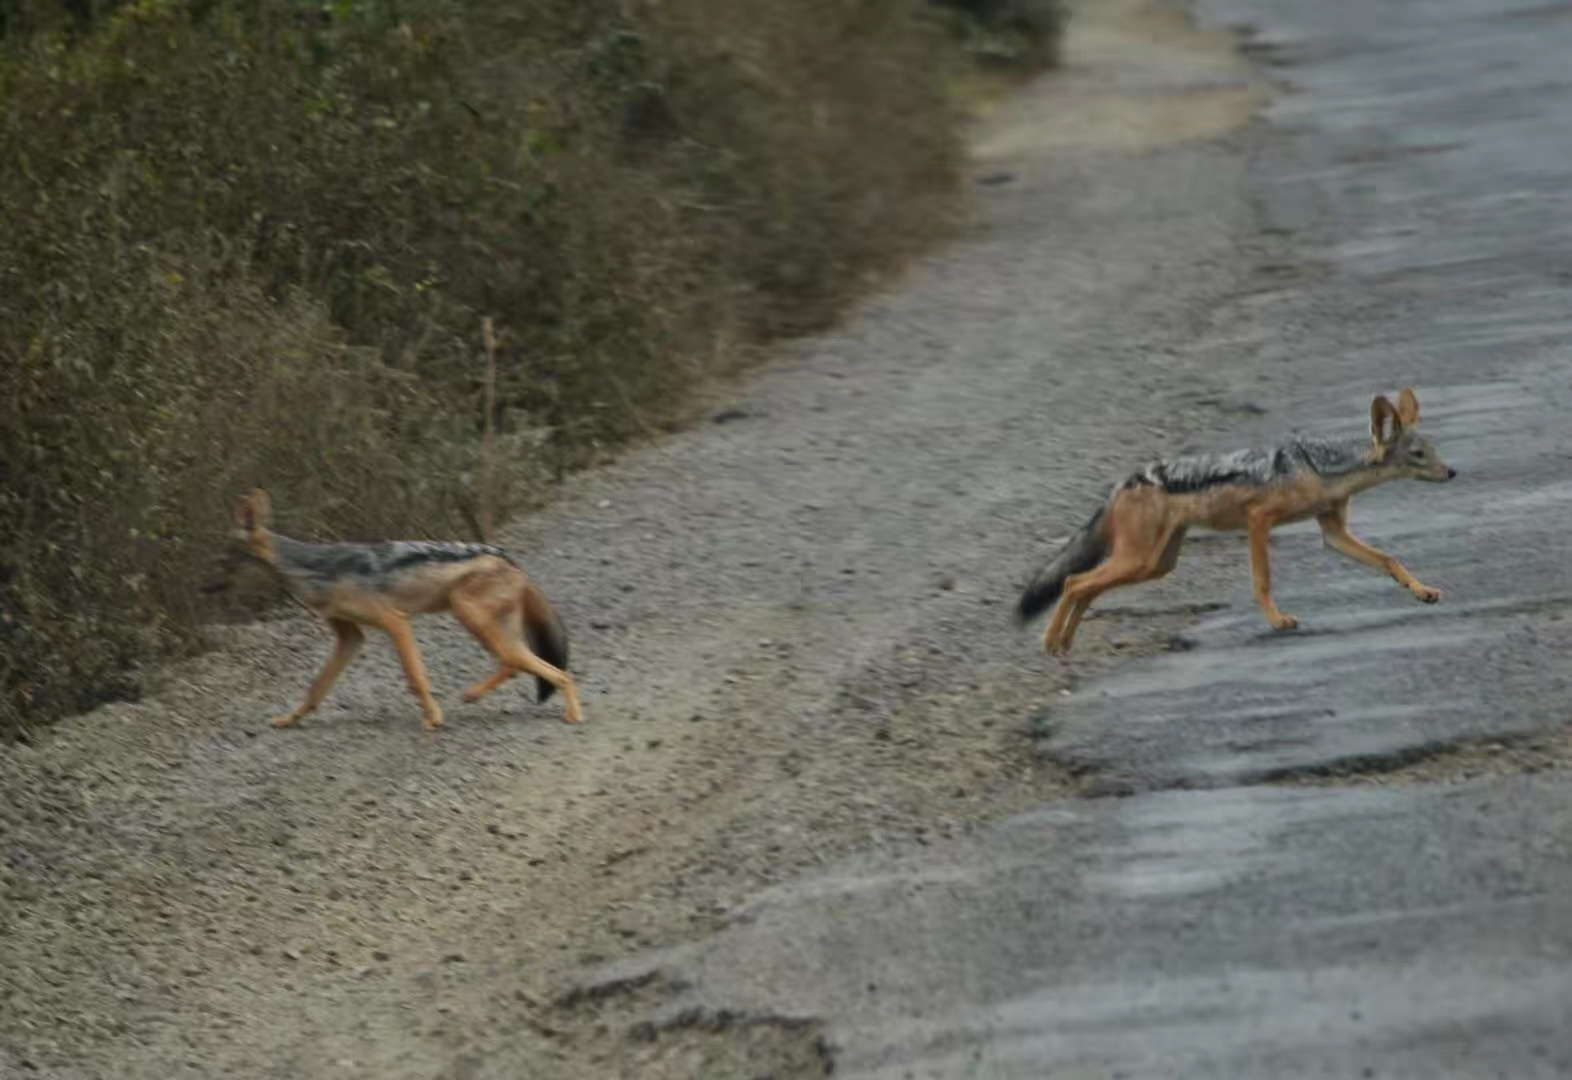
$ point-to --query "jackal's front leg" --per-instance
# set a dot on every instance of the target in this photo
(397, 627)
(1261, 572)
(1334, 531)
(350, 638)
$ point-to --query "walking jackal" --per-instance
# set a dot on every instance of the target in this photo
(385, 585)
(1136, 534)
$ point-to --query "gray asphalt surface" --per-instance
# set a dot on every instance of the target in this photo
(1409, 919)
(1249, 932)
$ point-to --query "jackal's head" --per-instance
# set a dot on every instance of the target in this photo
(1398, 446)
(249, 542)
(249, 521)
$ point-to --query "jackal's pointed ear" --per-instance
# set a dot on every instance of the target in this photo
(261, 508)
(1407, 408)
(252, 510)
(1383, 420)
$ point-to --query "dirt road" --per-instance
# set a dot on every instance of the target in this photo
(1338, 852)
(792, 624)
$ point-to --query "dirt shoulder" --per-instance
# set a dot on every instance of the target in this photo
(791, 623)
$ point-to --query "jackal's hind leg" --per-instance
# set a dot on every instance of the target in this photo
(480, 620)
(512, 623)
(1165, 557)
(1080, 590)
(485, 686)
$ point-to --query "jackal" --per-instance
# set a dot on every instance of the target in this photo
(384, 585)
(1135, 535)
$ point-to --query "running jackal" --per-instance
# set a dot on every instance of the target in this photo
(1136, 534)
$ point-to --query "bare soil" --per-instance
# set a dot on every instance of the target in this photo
(792, 628)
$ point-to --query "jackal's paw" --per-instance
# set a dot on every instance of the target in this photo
(433, 720)
(572, 715)
(287, 720)
(474, 693)
(1283, 622)
(1426, 595)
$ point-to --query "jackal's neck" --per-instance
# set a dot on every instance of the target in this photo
(1335, 458)
(287, 558)
(290, 556)
(263, 546)
(1348, 466)
(1368, 476)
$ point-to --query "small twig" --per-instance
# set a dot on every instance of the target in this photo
(627, 403)
(467, 512)
(487, 438)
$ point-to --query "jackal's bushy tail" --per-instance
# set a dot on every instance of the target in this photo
(1084, 550)
(546, 636)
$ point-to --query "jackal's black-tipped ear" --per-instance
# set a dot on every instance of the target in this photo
(1407, 407)
(1383, 420)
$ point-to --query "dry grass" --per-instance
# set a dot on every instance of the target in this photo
(253, 242)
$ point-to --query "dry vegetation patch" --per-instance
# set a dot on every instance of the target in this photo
(252, 242)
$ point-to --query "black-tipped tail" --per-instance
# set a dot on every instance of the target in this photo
(546, 636)
(1085, 549)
